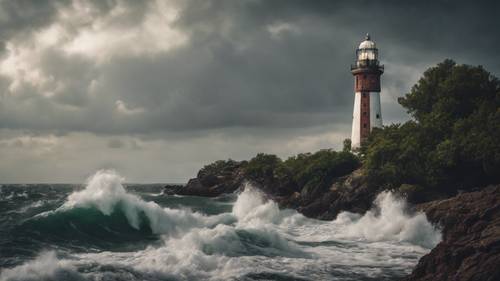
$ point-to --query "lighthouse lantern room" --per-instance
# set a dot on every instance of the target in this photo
(367, 71)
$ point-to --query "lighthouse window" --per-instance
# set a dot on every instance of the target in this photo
(364, 113)
(364, 125)
(378, 116)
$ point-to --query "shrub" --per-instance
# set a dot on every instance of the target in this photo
(452, 141)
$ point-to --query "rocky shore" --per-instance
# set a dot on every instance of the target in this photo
(470, 249)
(323, 201)
(470, 222)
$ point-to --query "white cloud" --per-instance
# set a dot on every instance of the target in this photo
(182, 83)
(79, 30)
(21, 65)
(278, 29)
(170, 158)
(36, 145)
(103, 38)
(123, 108)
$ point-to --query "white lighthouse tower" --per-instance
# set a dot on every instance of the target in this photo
(367, 71)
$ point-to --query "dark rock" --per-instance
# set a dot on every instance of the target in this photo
(349, 193)
(416, 194)
(323, 200)
(215, 179)
(470, 249)
(171, 189)
(470, 222)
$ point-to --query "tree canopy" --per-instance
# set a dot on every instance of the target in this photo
(453, 139)
(301, 171)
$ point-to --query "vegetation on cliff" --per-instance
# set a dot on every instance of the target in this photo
(306, 170)
(451, 143)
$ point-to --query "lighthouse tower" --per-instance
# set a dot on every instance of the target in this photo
(367, 72)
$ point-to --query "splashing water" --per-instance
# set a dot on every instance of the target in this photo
(388, 222)
(106, 193)
(253, 241)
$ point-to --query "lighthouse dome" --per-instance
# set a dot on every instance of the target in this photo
(367, 50)
(367, 44)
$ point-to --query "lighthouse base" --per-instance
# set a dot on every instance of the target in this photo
(366, 115)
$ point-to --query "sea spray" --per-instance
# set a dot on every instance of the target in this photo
(388, 221)
(254, 240)
(45, 267)
(253, 209)
(104, 191)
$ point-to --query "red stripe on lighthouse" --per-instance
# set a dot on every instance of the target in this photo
(365, 116)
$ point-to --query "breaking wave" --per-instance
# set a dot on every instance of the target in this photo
(44, 268)
(255, 240)
(104, 202)
(388, 221)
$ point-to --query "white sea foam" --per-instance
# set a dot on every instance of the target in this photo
(252, 209)
(388, 222)
(105, 192)
(45, 267)
(255, 237)
(36, 204)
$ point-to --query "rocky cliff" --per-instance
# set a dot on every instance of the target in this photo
(470, 249)
(470, 222)
(324, 200)
(216, 179)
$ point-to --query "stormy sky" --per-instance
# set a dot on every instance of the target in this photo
(157, 89)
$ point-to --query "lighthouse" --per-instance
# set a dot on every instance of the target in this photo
(367, 71)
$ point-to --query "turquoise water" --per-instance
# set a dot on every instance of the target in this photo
(104, 230)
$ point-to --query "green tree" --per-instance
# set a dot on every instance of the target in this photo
(453, 140)
(262, 166)
(306, 170)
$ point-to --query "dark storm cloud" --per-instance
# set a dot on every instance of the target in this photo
(157, 89)
(275, 64)
(18, 16)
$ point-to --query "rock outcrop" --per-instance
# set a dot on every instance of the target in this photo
(215, 179)
(348, 193)
(470, 249)
(470, 222)
(322, 201)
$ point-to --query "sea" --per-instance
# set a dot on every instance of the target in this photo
(104, 229)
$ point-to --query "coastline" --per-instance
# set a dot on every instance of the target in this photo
(470, 222)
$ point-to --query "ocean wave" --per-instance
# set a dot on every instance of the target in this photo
(253, 210)
(46, 267)
(389, 221)
(104, 195)
(255, 240)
